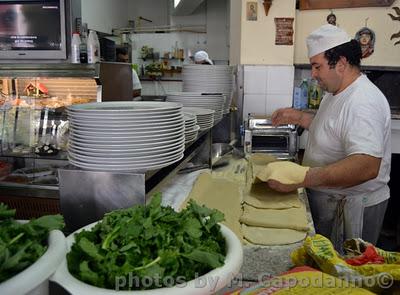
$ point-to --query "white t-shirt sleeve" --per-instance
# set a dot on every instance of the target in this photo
(135, 81)
(364, 131)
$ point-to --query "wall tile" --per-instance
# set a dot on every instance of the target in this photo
(276, 101)
(254, 103)
(255, 79)
(280, 79)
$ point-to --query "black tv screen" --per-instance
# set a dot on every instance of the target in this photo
(32, 29)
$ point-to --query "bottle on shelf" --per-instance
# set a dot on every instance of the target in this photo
(314, 94)
(303, 94)
(93, 48)
(83, 50)
(75, 48)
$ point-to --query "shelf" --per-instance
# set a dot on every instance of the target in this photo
(62, 156)
(21, 70)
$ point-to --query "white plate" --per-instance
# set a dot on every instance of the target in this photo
(130, 142)
(97, 152)
(132, 137)
(195, 129)
(124, 106)
(138, 159)
(120, 118)
(130, 122)
(131, 168)
(137, 146)
(198, 111)
(122, 128)
(128, 134)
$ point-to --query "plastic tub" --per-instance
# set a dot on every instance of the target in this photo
(34, 279)
(209, 283)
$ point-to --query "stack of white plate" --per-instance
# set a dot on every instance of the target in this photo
(204, 117)
(191, 127)
(197, 99)
(125, 136)
(209, 79)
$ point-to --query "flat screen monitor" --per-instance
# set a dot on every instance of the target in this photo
(32, 29)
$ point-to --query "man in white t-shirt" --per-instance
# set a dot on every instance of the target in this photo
(348, 148)
(123, 56)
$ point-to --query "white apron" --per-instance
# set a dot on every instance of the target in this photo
(337, 217)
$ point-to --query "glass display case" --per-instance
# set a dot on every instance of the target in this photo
(34, 125)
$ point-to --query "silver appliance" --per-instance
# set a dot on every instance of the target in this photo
(260, 136)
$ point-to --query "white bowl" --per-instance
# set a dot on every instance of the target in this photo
(208, 283)
(34, 279)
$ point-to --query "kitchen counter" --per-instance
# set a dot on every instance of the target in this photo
(259, 261)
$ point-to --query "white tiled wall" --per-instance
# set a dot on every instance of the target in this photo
(267, 88)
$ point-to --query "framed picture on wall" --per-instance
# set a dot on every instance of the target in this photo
(251, 11)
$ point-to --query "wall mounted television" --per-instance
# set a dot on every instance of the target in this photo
(32, 29)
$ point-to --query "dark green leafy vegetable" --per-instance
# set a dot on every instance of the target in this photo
(22, 244)
(147, 247)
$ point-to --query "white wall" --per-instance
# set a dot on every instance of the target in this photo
(155, 10)
(235, 31)
(198, 17)
(217, 29)
(164, 43)
(258, 37)
(104, 15)
(351, 20)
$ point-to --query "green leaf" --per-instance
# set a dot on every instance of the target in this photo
(192, 227)
(88, 275)
(213, 260)
(16, 259)
(90, 249)
(110, 237)
(5, 212)
(47, 223)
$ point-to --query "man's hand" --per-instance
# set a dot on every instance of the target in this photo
(291, 116)
(286, 116)
(283, 188)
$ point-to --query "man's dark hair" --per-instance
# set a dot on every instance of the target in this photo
(121, 50)
(350, 50)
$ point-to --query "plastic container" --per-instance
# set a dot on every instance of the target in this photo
(209, 283)
(34, 280)
(75, 48)
(297, 97)
(93, 48)
(304, 94)
(314, 95)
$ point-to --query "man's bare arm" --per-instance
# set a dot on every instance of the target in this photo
(351, 171)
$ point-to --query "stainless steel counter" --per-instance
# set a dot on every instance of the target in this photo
(86, 195)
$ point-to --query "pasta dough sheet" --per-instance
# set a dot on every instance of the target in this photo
(261, 196)
(272, 236)
(285, 172)
(222, 194)
(293, 218)
(257, 163)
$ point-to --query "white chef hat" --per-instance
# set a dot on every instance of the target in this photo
(201, 56)
(324, 38)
